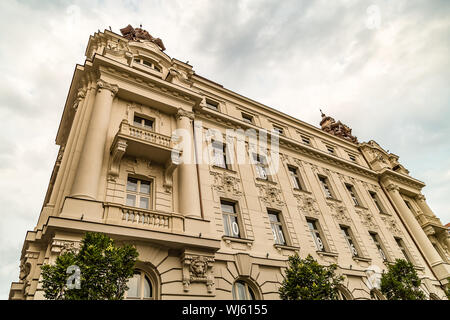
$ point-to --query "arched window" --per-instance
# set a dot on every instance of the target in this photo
(242, 291)
(376, 294)
(139, 287)
(344, 293)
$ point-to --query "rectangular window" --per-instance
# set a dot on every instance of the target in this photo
(247, 118)
(376, 240)
(377, 201)
(261, 166)
(348, 237)
(312, 224)
(352, 157)
(212, 104)
(230, 219)
(220, 154)
(352, 192)
(306, 140)
(293, 172)
(401, 245)
(330, 149)
(326, 188)
(142, 122)
(138, 193)
(277, 227)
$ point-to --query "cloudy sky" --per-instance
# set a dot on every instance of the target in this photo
(382, 67)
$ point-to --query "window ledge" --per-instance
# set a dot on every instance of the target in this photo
(327, 253)
(266, 180)
(296, 190)
(286, 247)
(223, 169)
(362, 259)
(361, 207)
(333, 199)
(228, 239)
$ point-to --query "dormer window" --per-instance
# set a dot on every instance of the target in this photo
(147, 63)
(212, 105)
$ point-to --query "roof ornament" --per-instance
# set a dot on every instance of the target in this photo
(328, 124)
(139, 34)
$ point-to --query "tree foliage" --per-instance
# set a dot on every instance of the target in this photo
(306, 279)
(401, 282)
(104, 270)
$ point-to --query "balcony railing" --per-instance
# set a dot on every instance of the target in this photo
(146, 219)
(145, 135)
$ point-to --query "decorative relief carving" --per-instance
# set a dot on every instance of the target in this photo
(339, 212)
(307, 204)
(328, 124)
(391, 225)
(62, 246)
(184, 113)
(117, 152)
(367, 219)
(80, 96)
(139, 34)
(107, 86)
(393, 187)
(197, 268)
(226, 183)
(270, 195)
(25, 269)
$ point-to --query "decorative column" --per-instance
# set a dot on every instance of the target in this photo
(87, 178)
(417, 232)
(188, 189)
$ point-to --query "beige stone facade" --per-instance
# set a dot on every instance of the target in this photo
(208, 229)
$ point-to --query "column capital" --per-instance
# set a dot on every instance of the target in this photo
(184, 113)
(81, 94)
(393, 187)
(108, 86)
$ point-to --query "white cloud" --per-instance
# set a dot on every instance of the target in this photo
(388, 83)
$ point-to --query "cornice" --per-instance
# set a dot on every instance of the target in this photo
(401, 178)
(290, 144)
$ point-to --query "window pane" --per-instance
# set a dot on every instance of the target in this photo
(147, 288)
(145, 187)
(133, 286)
(226, 225)
(132, 184)
(144, 203)
(227, 207)
(234, 226)
(148, 123)
(131, 200)
(241, 291)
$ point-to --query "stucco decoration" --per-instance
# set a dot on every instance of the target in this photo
(307, 204)
(270, 195)
(226, 183)
(25, 269)
(392, 225)
(339, 212)
(197, 268)
(138, 34)
(61, 246)
(367, 219)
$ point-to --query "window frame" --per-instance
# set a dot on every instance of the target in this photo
(279, 226)
(326, 187)
(317, 233)
(220, 148)
(376, 199)
(379, 245)
(142, 124)
(347, 232)
(353, 194)
(248, 118)
(249, 291)
(211, 104)
(261, 166)
(142, 61)
(143, 276)
(296, 178)
(227, 224)
(138, 194)
(402, 246)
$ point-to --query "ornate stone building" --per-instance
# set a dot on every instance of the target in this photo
(216, 227)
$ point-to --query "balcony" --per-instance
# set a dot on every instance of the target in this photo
(142, 143)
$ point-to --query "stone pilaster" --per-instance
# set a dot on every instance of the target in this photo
(91, 160)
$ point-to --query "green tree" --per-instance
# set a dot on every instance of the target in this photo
(401, 282)
(104, 270)
(306, 279)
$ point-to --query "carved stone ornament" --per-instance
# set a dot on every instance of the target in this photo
(226, 183)
(138, 34)
(118, 150)
(197, 268)
(270, 195)
(25, 269)
(80, 96)
(367, 219)
(105, 85)
(184, 113)
(391, 224)
(328, 124)
(339, 212)
(307, 204)
(61, 246)
(393, 187)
